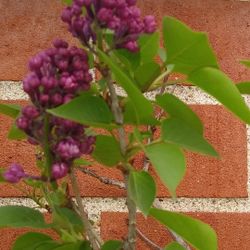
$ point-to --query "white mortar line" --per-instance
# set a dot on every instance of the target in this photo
(10, 90)
(98, 205)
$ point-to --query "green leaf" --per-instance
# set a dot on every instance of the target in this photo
(246, 63)
(85, 245)
(112, 245)
(11, 110)
(87, 110)
(67, 218)
(33, 240)
(68, 2)
(49, 245)
(162, 54)
(244, 88)
(16, 134)
(81, 162)
(131, 117)
(142, 190)
(91, 59)
(196, 232)
(217, 84)
(174, 246)
(146, 74)
(19, 216)
(186, 49)
(129, 59)
(178, 132)
(143, 107)
(107, 150)
(169, 163)
(178, 109)
(149, 45)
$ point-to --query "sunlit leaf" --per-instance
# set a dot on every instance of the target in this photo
(169, 162)
(107, 150)
(197, 233)
(186, 49)
(217, 84)
(87, 110)
(178, 132)
(142, 189)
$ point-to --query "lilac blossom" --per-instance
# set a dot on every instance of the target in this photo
(120, 16)
(57, 75)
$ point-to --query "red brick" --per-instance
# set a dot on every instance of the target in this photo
(29, 26)
(232, 229)
(205, 177)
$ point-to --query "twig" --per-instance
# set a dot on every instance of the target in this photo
(131, 239)
(95, 240)
(149, 242)
(175, 236)
(121, 185)
(102, 179)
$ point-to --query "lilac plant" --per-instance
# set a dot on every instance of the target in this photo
(69, 108)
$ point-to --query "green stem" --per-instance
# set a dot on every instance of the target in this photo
(47, 151)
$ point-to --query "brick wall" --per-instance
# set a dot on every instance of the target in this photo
(215, 191)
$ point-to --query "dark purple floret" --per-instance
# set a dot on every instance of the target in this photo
(30, 112)
(23, 123)
(59, 170)
(68, 149)
(149, 24)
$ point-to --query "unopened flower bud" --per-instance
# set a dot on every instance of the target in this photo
(14, 174)
(59, 170)
(131, 46)
(68, 149)
(149, 24)
(59, 43)
(23, 123)
(31, 112)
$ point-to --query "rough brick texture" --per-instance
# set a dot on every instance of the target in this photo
(30, 26)
(232, 229)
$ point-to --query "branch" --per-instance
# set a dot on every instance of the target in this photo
(175, 236)
(102, 179)
(121, 185)
(95, 240)
(147, 240)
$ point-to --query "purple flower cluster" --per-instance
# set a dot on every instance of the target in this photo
(120, 16)
(57, 75)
